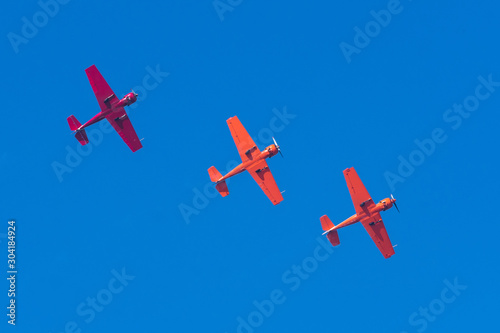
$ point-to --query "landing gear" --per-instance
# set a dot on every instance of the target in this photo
(250, 150)
(121, 118)
(108, 99)
(365, 202)
(260, 170)
(373, 223)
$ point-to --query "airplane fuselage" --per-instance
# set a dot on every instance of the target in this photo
(269, 152)
(383, 205)
(127, 100)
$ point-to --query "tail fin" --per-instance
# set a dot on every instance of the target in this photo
(81, 136)
(74, 124)
(327, 224)
(215, 176)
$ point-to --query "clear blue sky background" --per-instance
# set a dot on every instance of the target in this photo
(120, 210)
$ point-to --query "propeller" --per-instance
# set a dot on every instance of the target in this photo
(392, 197)
(131, 107)
(279, 149)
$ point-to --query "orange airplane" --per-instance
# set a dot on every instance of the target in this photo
(367, 212)
(254, 161)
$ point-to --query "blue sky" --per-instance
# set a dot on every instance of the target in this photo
(410, 101)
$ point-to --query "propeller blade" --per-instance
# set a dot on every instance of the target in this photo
(395, 205)
(279, 149)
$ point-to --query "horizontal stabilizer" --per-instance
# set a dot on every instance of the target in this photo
(333, 235)
(222, 188)
(215, 175)
(74, 124)
(81, 136)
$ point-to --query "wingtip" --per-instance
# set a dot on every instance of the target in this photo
(91, 66)
(348, 169)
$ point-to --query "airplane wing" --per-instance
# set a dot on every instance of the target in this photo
(376, 229)
(244, 143)
(102, 91)
(121, 123)
(263, 176)
(359, 195)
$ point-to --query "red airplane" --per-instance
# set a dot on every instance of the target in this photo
(112, 108)
(254, 161)
(367, 212)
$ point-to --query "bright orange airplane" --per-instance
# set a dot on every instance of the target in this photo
(254, 161)
(367, 212)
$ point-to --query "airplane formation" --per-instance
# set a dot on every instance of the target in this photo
(253, 161)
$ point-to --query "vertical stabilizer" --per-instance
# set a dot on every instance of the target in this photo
(74, 124)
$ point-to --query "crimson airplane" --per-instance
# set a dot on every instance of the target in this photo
(254, 161)
(367, 212)
(112, 109)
